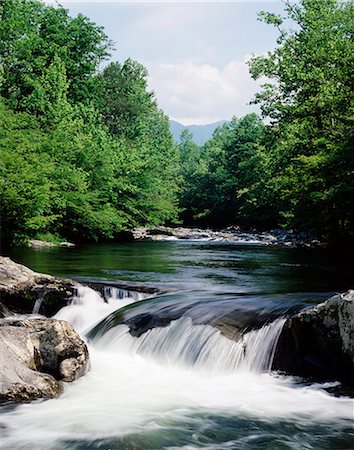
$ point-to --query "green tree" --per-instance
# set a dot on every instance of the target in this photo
(189, 155)
(25, 177)
(311, 106)
(32, 34)
(131, 113)
(223, 183)
(83, 155)
(126, 103)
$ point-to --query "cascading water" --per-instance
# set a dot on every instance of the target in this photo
(182, 342)
(202, 346)
(184, 386)
(88, 307)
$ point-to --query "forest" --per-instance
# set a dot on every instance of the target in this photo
(86, 153)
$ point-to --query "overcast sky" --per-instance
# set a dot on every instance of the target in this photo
(195, 52)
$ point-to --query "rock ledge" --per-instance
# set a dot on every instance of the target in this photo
(25, 291)
(36, 355)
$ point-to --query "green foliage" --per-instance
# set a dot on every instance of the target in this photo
(49, 237)
(32, 34)
(25, 186)
(221, 180)
(131, 113)
(86, 154)
(83, 155)
(311, 104)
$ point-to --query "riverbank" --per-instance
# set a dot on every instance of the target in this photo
(38, 353)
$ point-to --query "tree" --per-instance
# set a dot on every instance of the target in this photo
(311, 106)
(33, 34)
(83, 155)
(131, 113)
(221, 180)
(125, 101)
(25, 172)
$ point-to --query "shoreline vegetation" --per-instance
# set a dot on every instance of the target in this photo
(86, 153)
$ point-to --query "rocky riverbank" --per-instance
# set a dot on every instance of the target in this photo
(25, 291)
(36, 243)
(280, 238)
(37, 354)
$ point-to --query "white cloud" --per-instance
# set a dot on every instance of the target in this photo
(201, 93)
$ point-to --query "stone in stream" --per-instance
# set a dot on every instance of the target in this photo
(36, 355)
(277, 238)
(36, 243)
(319, 342)
(23, 291)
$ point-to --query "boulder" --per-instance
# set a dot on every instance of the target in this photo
(25, 291)
(36, 243)
(318, 342)
(36, 355)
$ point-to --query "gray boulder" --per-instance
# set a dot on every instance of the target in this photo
(36, 355)
(318, 343)
(25, 291)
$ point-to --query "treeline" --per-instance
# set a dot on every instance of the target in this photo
(298, 170)
(84, 152)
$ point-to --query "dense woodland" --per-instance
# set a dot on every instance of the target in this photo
(86, 152)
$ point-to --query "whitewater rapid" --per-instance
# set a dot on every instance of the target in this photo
(171, 378)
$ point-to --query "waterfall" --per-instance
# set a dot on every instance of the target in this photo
(37, 305)
(174, 381)
(88, 307)
(201, 346)
(113, 293)
(182, 342)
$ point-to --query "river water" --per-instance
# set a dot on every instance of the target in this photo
(185, 385)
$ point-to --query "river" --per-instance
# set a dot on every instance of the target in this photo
(185, 385)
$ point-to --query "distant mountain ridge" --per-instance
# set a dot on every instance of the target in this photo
(201, 133)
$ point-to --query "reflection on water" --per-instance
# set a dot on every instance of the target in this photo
(219, 266)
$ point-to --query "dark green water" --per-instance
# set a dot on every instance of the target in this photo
(134, 400)
(243, 269)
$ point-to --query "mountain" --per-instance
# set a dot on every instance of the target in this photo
(201, 133)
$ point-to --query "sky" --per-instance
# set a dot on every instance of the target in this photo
(195, 52)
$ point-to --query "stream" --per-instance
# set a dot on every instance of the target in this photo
(184, 383)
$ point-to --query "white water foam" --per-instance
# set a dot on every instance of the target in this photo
(88, 307)
(173, 374)
(202, 346)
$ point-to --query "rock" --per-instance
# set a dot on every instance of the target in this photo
(279, 238)
(40, 244)
(25, 291)
(36, 355)
(102, 286)
(318, 343)
(66, 244)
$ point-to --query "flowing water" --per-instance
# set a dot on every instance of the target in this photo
(184, 383)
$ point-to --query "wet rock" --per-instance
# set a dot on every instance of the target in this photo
(36, 243)
(36, 355)
(281, 238)
(25, 291)
(66, 244)
(101, 285)
(318, 343)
